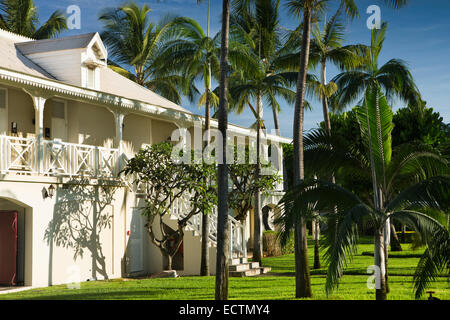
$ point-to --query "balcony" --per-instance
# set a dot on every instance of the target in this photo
(22, 156)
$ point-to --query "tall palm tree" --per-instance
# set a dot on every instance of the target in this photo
(259, 20)
(411, 179)
(134, 42)
(326, 46)
(257, 24)
(197, 56)
(221, 292)
(307, 10)
(21, 17)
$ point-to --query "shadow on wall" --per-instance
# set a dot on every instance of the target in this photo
(81, 213)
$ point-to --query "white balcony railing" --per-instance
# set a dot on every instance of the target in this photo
(20, 156)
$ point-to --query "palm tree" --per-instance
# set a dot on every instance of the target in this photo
(326, 46)
(308, 10)
(135, 42)
(197, 55)
(257, 24)
(21, 17)
(222, 172)
(409, 179)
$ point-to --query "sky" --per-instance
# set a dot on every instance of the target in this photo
(419, 34)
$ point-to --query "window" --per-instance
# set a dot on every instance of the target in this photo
(91, 78)
(2, 98)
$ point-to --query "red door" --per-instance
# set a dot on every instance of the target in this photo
(8, 247)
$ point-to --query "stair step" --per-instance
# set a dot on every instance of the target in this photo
(250, 272)
(236, 261)
(244, 266)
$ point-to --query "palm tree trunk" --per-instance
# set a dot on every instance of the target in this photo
(257, 231)
(302, 274)
(379, 261)
(221, 292)
(323, 80)
(204, 265)
(395, 241)
(316, 237)
(276, 121)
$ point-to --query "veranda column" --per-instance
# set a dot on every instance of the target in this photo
(119, 117)
(39, 104)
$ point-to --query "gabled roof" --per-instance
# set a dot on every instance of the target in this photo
(113, 83)
(13, 59)
(57, 44)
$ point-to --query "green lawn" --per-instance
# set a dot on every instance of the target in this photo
(279, 284)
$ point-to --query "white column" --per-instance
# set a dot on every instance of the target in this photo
(119, 117)
(39, 104)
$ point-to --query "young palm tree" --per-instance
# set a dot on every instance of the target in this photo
(394, 77)
(221, 292)
(409, 179)
(21, 17)
(135, 42)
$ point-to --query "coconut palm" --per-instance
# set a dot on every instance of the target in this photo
(221, 291)
(134, 42)
(393, 77)
(21, 17)
(406, 181)
(196, 55)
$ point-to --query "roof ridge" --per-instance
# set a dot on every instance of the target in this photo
(65, 38)
(14, 36)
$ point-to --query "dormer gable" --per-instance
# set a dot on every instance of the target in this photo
(75, 59)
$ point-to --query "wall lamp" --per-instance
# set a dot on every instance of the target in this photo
(50, 192)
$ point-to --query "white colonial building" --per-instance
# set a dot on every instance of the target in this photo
(67, 124)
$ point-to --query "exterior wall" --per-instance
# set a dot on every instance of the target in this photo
(21, 111)
(51, 255)
(161, 130)
(95, 125)
(137, 131)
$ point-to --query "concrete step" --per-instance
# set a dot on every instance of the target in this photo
(244, 266)
(236, 261)
(249, 272)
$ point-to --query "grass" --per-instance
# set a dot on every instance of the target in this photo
(277, 285)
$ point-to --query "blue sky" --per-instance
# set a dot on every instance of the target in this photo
(418, 34)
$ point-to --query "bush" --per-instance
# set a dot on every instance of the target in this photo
(272, 246)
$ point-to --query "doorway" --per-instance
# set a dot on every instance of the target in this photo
(8, 248)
